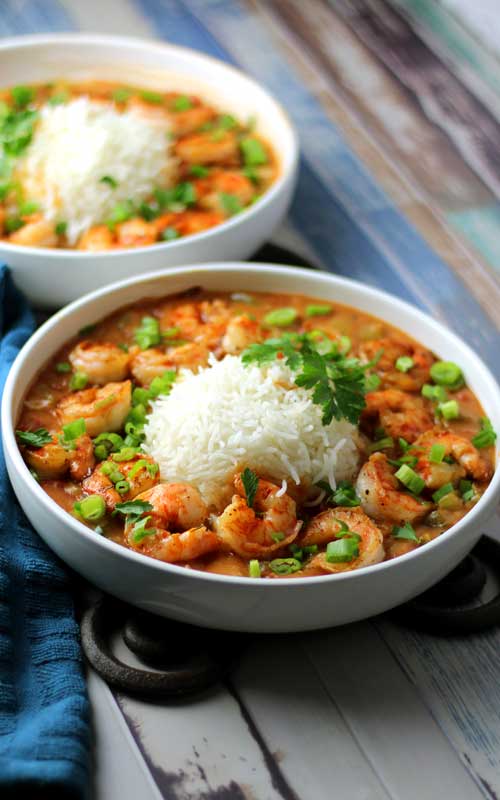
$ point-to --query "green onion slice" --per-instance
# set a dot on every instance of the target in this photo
(415, 483)
(281, 317)
(446, 373)
(285, 566)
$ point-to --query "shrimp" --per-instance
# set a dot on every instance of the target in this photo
(392, 349)
(249, 531)
(325, 528)
(400, 414)
(176, 507)
(381, 496)
(52, 461)
(104, 408)
(205, 322)
(157, 115)
(149, 364)
(38, 232)
(240, 333)
(210, 189)
(204, 148)
(467, 460)
(140, 472)
(98, 237)
(102, 362)
(190, 222)
(186, 122)
(136, 232)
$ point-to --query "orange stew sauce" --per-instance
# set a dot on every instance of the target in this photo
(220, 167)
(418, 472)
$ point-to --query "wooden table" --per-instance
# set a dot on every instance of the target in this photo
(397, 108)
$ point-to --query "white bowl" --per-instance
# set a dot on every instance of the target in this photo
(50, 278)
(220, 601)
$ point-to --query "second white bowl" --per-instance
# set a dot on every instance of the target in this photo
(51, 278)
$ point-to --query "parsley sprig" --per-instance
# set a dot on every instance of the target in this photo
(337, 381)
(250, 483)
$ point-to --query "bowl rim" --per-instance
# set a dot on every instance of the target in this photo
(491, 493)
(286, 173)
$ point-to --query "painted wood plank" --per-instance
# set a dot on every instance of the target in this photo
(318, 753)
(118, 770)
(392, 176)
(413, 757)
(342, 242)
(200, 750)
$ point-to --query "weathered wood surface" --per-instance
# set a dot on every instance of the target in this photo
(396, 190)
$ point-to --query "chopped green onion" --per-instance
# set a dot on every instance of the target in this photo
(404, 445)
(169, 234)
(199, 171)
(125, 454)
(152, 469)
(78, 381)
(120, 213)
(152, 97)
(22, 95)
(281, 317)
(27, 208)
(61, 228)
(372, 382)
(405, 532)
(122, 486)
(254, 568)
(437, 453)
(171, 333)
(410, 479)
(63, 366)
(162, 384)
(446, 373)
(121, 95)
(87, 329)
(226, 122)
(285, 566)
(92, 508)
(13, 224)
(486, 435)
(437, 393)
(449, 409)
(404, 363)
(310, 549)
(148, 333)
(58, 99)
(230, 203)
(342, 550)
(381, 444)
(74, 429)
(466, 489)
(318, 310)
(253, 152)
(442, 492)
(35, 439)
(182, 103)
(277, 537)
(109, 180)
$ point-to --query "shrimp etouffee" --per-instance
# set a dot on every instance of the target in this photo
(421, 451)
(99, 166)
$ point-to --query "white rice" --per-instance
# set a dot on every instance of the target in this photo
(230, 416)
(78, 143)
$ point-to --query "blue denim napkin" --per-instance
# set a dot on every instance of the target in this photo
(44, 729)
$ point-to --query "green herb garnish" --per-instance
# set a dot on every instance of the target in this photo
(486, 435)
(109, 180)
(35, 439)
(338, 382)
(405, 532)
(148, 333)
(250, 483)
(133, 509)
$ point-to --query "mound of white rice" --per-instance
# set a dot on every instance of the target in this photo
(230, 416)
(78, 143)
